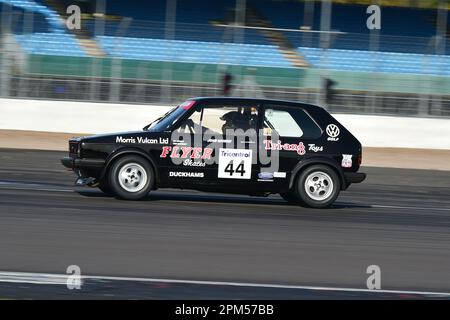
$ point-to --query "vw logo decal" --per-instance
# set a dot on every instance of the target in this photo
(333, 130)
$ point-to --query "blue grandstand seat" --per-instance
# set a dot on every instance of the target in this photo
(198, 41)
(48, 34)
(193, 51)
(52, 18)
(61, 44)
(371, 61)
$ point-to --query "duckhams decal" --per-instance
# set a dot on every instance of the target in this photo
(271, 145)
(183, 174)
(186, 152)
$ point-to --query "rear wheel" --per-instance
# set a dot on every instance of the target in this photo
(318, 186)
(131, 177)
(290, 197)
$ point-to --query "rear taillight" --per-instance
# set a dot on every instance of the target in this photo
(359, 159)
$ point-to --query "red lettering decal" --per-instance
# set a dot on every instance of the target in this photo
(175, 153)
(186, 151)
(301, 149)
(207, 152)
(165, 151)
(196, 153)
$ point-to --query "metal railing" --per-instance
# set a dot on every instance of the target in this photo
(121, 80)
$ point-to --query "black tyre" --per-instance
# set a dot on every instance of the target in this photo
(131, 177)
(318, 186)
(104, 187)
(290, 197)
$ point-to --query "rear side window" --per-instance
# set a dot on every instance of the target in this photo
(290, 122)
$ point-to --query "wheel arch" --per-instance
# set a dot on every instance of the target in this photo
(129, 151)
(302, 165)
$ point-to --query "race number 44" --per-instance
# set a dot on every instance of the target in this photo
(235, 163)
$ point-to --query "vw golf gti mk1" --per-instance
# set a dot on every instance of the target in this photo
(230, 145)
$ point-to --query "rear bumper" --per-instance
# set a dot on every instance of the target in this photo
(76, 163)
(354, 177)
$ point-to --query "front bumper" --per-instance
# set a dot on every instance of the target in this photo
(77, 163)
(354, 177)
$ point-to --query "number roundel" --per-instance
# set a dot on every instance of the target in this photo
(235, 163)
(239, 169)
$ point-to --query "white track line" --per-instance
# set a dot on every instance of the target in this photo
(47, 278)
(414, 208)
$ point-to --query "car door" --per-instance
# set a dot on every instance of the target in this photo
(230, 131)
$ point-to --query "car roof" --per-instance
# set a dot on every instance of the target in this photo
(254, 101)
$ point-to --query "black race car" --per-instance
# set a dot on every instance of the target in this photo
(231, 145)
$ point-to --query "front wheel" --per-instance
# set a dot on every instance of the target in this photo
(131, 178)
(318, 186)
(104, 186)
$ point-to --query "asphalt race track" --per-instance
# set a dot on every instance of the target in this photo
(398, 219)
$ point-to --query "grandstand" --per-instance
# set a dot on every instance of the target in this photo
(268, 46)
(148, 43)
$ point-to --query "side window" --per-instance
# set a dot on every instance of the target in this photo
(192, 124)
(290, 122)
(222, 118)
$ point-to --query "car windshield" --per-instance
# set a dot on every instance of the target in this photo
(166, 121)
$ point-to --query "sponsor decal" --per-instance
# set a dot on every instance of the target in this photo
(164, 140)
(265, 176)
(347, 161)
(235, 163)
(219, 141)
(182, 174)
(186, 152)
(299, 148)
(191, 163)
(142, 140)
(179, 143)
(279, 175)
(120, 139)
(314, 148)
(333, 132)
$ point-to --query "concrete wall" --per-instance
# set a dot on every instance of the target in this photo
(76, 117)
(81, 117)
